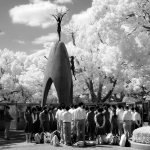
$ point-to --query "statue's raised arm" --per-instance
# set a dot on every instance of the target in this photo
(55, 16)
(59, 18)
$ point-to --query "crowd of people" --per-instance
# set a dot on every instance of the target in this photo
(85, 123)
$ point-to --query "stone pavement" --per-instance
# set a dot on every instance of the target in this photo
(17, 142)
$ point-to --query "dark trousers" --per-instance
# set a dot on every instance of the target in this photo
(7, 128)
(114, 128)
(45, 126)
(107, 126)
(67, 132)
(132, 126)
(91, 129)
(80, 124)
(135, 126)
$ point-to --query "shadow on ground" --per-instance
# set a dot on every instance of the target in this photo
(104, 146)
(15, 138)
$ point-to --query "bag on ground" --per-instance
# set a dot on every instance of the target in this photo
(37, 138)
(115, 140)
(123, 140)
(73, 138)
(108, 138)
(55, 141)
(80, 144)
(42, 138)
(104, 139)
(90, 143)
(127, 144)
(57, 133)
(47, 137)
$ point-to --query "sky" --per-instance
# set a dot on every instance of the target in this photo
(25, 24)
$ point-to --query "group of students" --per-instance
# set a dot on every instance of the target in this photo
(84, 123)
(39, 120)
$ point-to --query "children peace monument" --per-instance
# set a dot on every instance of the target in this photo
(58, 70)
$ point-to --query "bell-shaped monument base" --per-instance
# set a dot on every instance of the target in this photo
(58, 71)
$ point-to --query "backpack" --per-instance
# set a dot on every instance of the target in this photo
(37, 138)
(42, 138)
(80, 144)
(47, 137)
(108, 138)
(102, 139)
(123, 140)
(73, 138)
(55, 141)
(90, 143)
(57, 133)
(127, 144)
(114, 140)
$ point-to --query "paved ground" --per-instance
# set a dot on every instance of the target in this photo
(17, 142)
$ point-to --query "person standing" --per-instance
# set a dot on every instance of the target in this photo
(67, 118)
(71, 111)
(38, 110)
(136, 119)
(132, 122)
(61, 123)
(127, 117)
(107, 117)
(7, 118)
(57, 116)
(80, 116)
(29, 124)
(73, 127)
(51, 120)
(114, 123)
(54, 110)
(100, 125)
(34, 119)
(44, 119)
(91, 123)
(120, 113)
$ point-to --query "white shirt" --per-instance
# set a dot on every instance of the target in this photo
(66, 116)
(80, 114)
(136, 117)
(57, 116)
(120, 113)
(71, 110)
(117, 110)
(127, 116)
(132, 113)
(61, 113)
(73, 114)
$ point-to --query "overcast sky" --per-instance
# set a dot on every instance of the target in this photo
(25, 24)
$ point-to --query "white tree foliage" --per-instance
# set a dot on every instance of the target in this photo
(111, 46)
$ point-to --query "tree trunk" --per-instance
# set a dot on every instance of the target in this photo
(110, 92)
(122, 95)
(99, 93)
(89, 84)
(73, 39)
